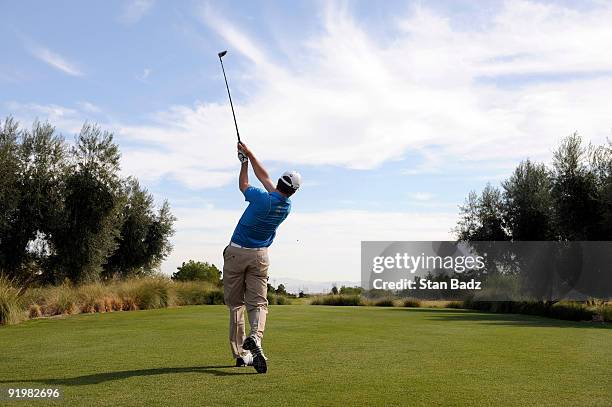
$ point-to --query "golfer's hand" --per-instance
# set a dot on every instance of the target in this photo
(242, 156)
(242, 147)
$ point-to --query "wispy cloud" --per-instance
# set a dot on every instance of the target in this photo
(144, 75)
(340, 97)
(55, 60)
(65, 119)
(89, 107)
(134, 10)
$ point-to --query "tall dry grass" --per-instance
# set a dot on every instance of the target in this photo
(126, 295)
(11, 310)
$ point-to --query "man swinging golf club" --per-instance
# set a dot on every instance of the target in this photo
(245, 268)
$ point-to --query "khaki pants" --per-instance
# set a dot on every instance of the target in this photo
(245, 282)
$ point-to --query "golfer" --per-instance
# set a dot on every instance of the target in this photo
(245, 268)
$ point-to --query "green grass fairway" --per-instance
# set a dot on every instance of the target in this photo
(318, 355)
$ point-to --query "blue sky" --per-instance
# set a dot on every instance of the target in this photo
(392, 111)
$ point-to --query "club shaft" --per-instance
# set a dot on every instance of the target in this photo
(230, 99)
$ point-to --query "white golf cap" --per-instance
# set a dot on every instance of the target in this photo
(292, 179)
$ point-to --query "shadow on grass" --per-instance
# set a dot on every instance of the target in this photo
(491, 318)
(126, 374)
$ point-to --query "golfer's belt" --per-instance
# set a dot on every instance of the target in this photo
(247, 248)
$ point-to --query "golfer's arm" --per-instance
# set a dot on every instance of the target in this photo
(243, 179)
(261, 174)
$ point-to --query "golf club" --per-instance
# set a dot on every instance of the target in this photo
(221, 55)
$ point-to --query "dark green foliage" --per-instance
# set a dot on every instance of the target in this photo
(65, 212)
(482, 217)
(197, 271)
(275, 299)
(574, 190)
(351, 290)
(384, 302)
(281, 290)
(92, 208)
(570, 311)
(33, 166)
(334, 290)
(528, 203)
(347, 300)
(143, 240)
(214, 297)
(570, 202)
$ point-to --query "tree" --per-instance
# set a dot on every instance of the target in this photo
(528, 207)
(92, 208)
(578, 214)
(601, 164)
(10, 196)
(197, 271)
(280, 290)
(66, 213)
(143, 241)
(334, 290)
(33, 170)
(482, 217)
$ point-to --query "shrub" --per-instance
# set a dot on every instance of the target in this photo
(276, 299)
(34, 311)
(341, 300)
(412, 302)
(197, 271)
(454, 304)
(605, 311)
(383, 302)
(193, 293)
(214, 297)
(351, 290)
(11, 311)
(59, 300)
(90, 298)
(146, 293)
(571, 311)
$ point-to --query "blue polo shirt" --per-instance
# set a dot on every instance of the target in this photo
(257, 225)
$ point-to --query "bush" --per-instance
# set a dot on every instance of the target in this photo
(412, 302)
(341, 300)
(197, 271)
(91, 298)
(11, 311)
(605, 311)
(351, 290)
(146, 293)
(275, 299)
(454, 304)
(214, 297)
(59, 300)
(383, 302)
(193, 292)
(571, 311)
(34, 311)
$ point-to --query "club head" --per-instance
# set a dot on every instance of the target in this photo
(222, 54)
